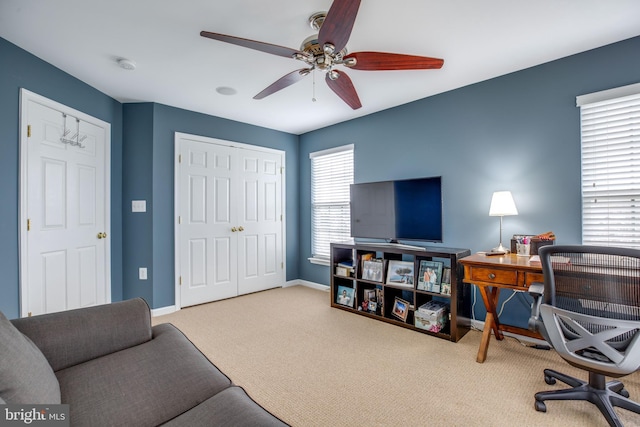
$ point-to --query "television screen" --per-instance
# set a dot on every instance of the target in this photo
(398, 210)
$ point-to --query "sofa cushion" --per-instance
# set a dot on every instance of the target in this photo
(25, 375)
(87, 333)
(231, 407)
(147, 384)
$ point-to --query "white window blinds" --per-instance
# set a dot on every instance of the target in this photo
(610, 130)
(331, 176)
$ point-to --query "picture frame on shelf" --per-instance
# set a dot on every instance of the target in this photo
(445, 289)
(430, 276)
(400, 273)
(373, 270)
(373, 306)
(380, 300)
(369, 294)
(400, 309)
(345, 296)
(446, 281)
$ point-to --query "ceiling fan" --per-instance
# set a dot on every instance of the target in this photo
(327, 49)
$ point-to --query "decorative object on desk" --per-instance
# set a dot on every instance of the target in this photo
(400, 309)
(345, 296)
(430, 276)
(400, 273)
(372, 270)
(523, 246)
(502, 204)
(536, 242)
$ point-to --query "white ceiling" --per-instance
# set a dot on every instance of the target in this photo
(175, 66)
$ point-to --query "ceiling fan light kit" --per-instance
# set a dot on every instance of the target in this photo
(327, 50)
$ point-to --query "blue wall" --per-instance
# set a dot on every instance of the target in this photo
(142, 138)
(149, 174)
(519, 132)
(20, 69)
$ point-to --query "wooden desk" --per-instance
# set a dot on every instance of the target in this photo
(490, 274)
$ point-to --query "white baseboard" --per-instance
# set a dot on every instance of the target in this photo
(155, 312)
(172, 308)
(306, 283)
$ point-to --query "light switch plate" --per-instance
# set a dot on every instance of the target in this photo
(138, 206)
(142, 273)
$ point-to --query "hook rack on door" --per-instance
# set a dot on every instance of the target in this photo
(75, 140)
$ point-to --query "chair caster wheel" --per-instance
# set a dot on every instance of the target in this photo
(624, 393)
(549, 380)
(540, 406)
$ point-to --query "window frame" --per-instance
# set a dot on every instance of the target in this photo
(609, 159)
(340, 187)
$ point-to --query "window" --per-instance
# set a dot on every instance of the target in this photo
(331, 176)
(610, 129)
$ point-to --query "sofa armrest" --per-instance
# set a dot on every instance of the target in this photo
(71, 337)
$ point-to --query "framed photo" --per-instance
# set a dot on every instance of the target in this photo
(400, 309)
(372, 270)
(369, 295)
(430, 276)
(400, 273)
(373, 306)
(380, 300)
(345, 296)
(446, 289)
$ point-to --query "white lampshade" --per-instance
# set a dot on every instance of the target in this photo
(502, 204)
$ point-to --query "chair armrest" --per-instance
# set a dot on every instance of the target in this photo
(536, 290)
(68, 338)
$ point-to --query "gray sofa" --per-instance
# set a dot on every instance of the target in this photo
(113, 368)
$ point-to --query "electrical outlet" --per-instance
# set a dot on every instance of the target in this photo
(142, 273)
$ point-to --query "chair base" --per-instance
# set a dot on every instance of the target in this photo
(605, 395)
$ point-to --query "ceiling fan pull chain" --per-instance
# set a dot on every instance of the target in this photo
(313, 77)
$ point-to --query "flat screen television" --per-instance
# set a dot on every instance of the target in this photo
(409, 209)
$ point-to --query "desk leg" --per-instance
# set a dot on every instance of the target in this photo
(490, 299)
(486, 337)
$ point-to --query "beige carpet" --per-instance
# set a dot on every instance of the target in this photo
(313, 365)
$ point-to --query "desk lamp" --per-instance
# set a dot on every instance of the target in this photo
(502, 204)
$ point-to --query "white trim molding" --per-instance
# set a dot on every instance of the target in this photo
(313, 285)
(605, 95)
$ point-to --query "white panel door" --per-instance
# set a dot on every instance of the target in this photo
(260, 222)
(64, 261)
(208, 246)
(229, 234)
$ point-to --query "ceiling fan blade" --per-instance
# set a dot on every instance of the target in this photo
(252, 44)
(343, 87)
(281, 83)
(338, 24)
(381, 61)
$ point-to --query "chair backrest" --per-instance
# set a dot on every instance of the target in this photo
(591, 306)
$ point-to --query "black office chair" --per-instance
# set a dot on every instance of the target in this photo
(588, 309)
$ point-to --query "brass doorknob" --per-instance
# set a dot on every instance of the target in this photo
(233, 230)
(102, 235)
(241, 228)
